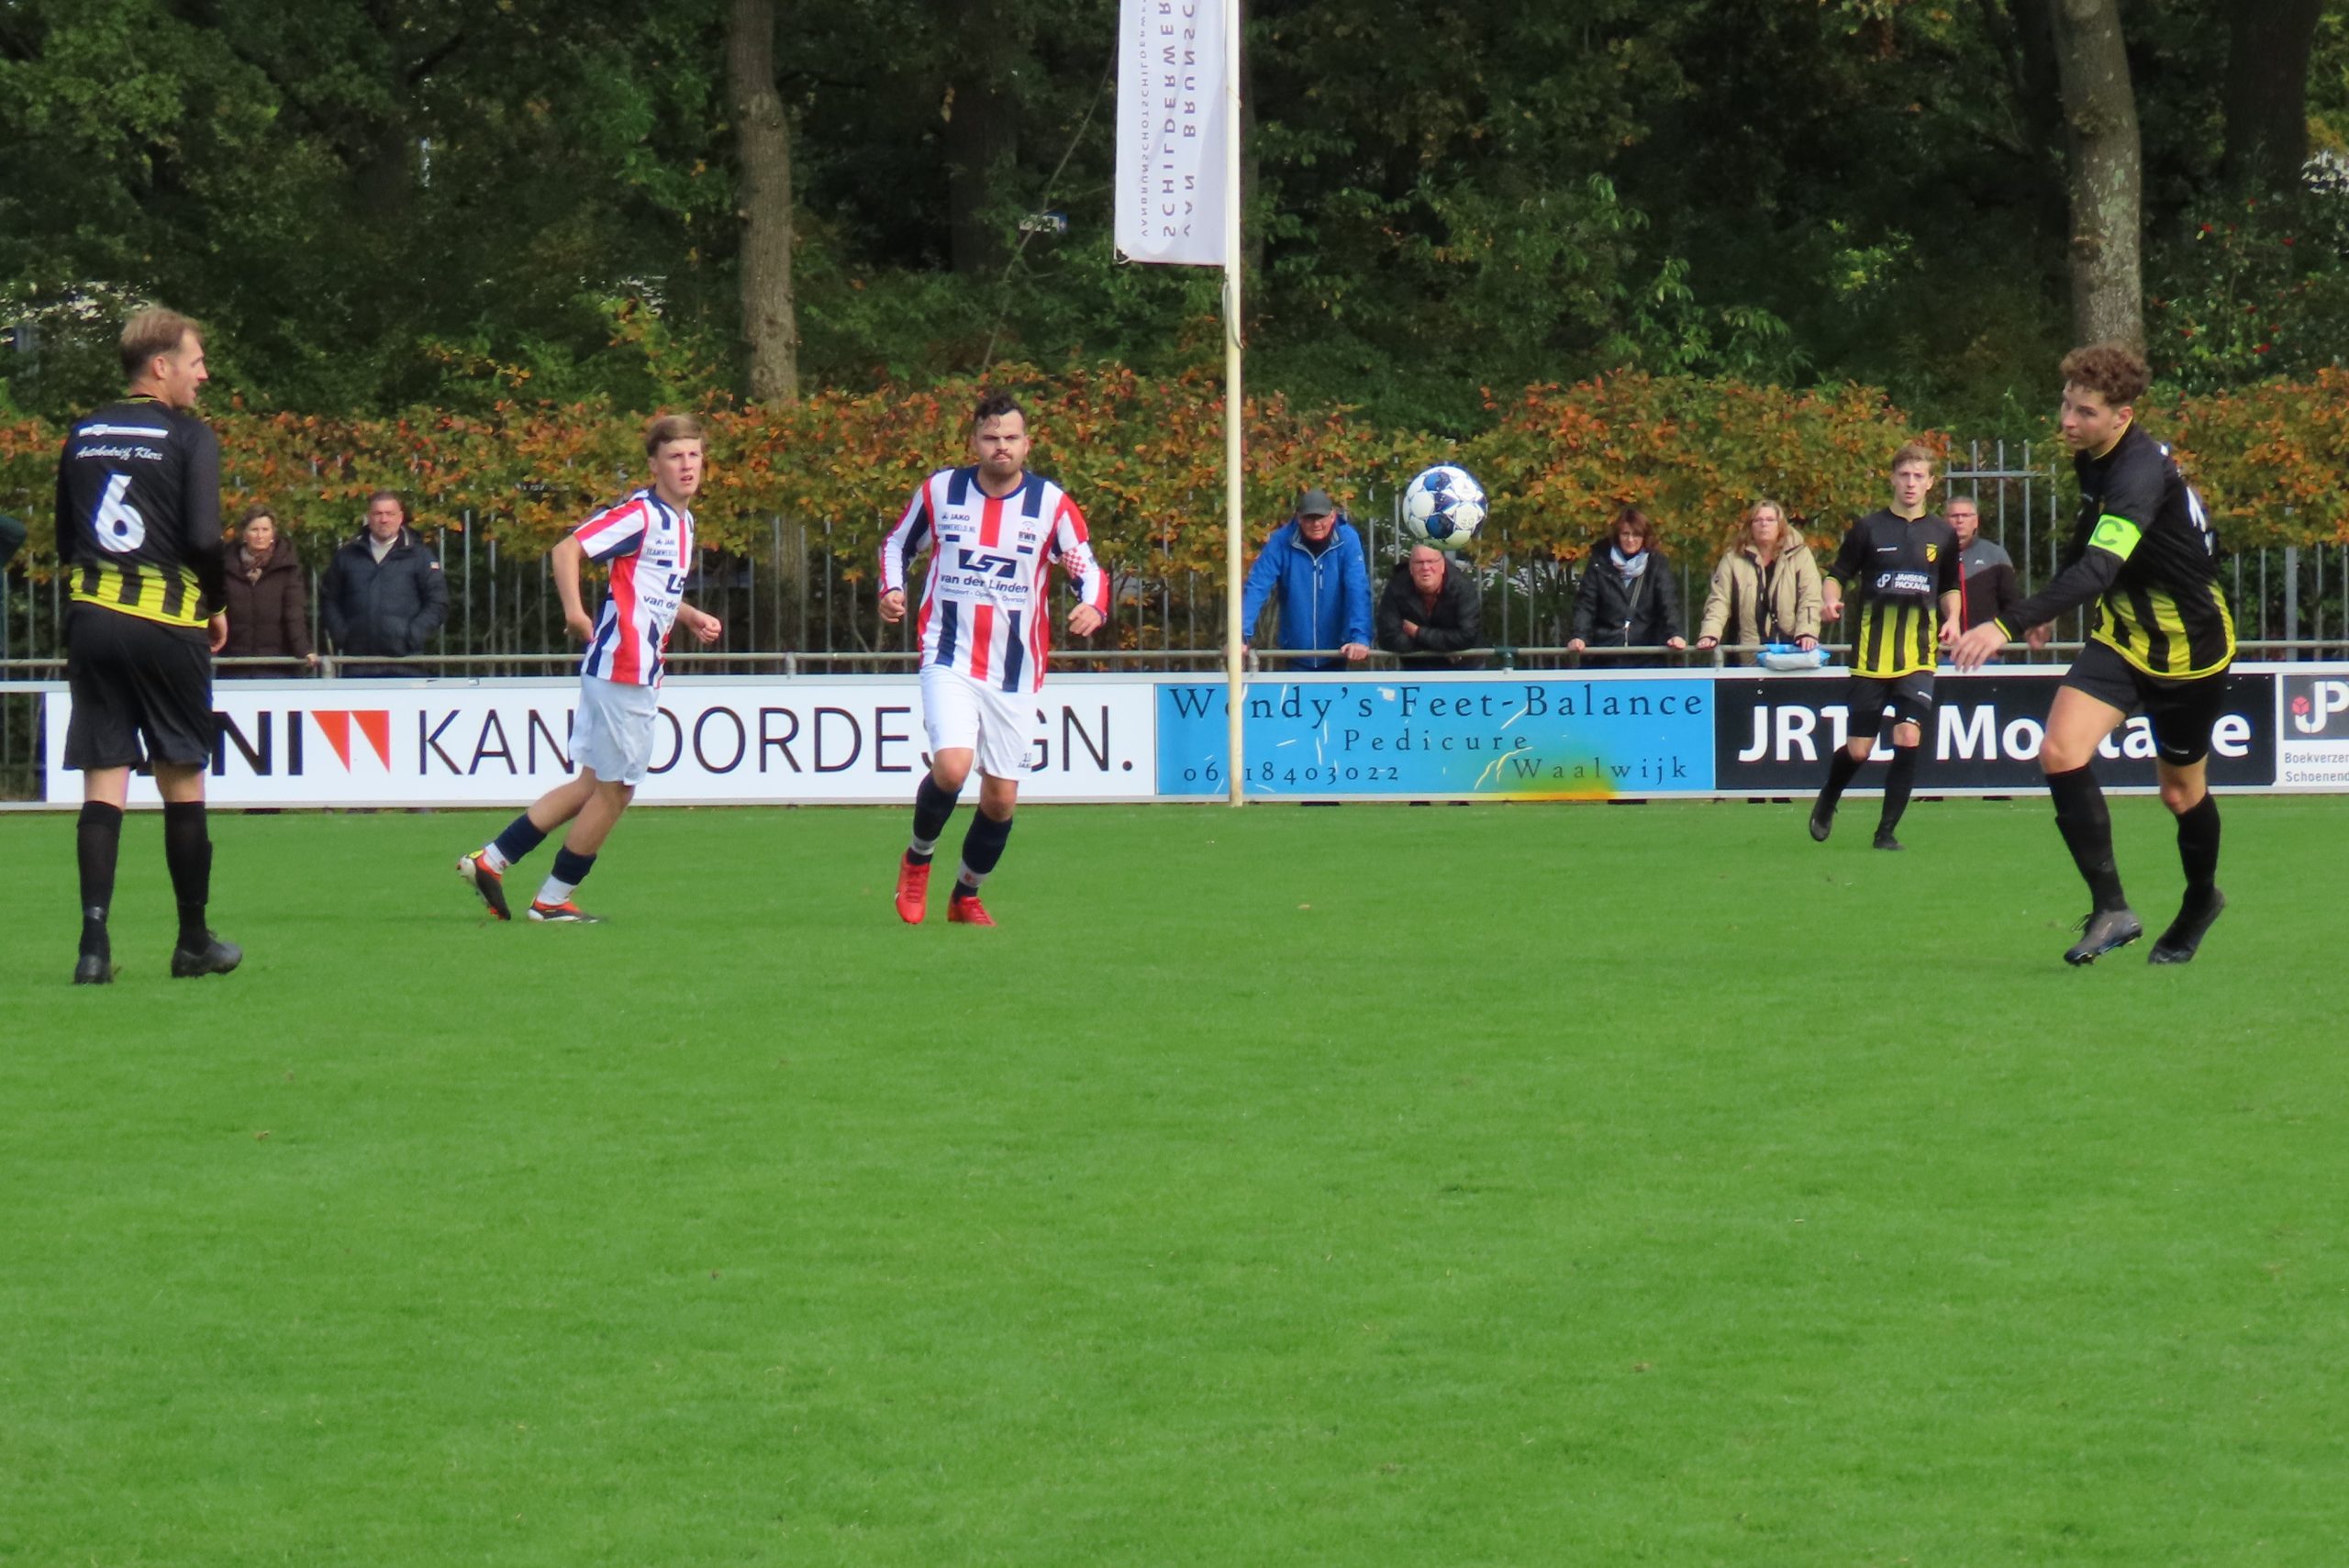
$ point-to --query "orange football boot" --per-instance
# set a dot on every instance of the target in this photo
(913, 891)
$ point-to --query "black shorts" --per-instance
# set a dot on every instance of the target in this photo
(1910, 696)
(135, 679)
(2181, 712)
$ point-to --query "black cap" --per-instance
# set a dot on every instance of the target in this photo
(12, 538)
(1315, 504)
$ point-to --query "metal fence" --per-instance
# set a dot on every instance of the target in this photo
(792, 604)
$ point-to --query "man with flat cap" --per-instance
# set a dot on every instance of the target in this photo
(1315, 570)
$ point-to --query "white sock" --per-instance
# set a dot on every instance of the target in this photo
(555, 892)
(496, 862)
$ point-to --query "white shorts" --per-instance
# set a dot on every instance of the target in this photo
(1001, 726)
(612, 729)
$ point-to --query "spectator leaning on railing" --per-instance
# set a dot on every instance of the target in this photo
(1430, 611)
(1313, 568)
(1765, 589)
(1627, 597)
(268, 603)
(384, 596)
(1990, 587)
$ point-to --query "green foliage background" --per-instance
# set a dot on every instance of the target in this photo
(432, 204)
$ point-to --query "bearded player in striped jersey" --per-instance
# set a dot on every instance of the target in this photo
(2143, 553)
(993, 530)
(649, 542)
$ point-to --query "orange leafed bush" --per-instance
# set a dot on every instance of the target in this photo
(1144, 457)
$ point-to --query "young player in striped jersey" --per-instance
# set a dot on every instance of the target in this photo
(2143, 553)
(1902, 564)
(993, 532)
(649, 540)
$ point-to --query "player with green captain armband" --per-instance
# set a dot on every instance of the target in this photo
(2160, 642)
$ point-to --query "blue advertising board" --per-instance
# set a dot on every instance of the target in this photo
(1442, 737)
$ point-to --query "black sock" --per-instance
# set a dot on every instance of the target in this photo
(187, 851)
(2087, 826)
(1898, 780)
(521, 836)
(981, 848)
(98, 843)
(1839, 771)
(570, 866)
(932, 807)
(2198, 849)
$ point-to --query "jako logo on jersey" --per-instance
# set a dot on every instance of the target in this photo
(987, 561)
(2312, 708)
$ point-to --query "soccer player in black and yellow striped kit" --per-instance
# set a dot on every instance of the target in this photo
(138, 530)
(1901, 564)
(2143, 553)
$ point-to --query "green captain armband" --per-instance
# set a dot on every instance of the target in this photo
(2115, 535)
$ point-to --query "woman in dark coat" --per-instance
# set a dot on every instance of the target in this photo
(1627, 597)
(269, 599)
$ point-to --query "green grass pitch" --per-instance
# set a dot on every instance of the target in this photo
(1517, 1185)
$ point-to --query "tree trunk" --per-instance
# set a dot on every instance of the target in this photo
(2268, 46)
(770, 318)
(982, 134)
(2106, 174)
(2023, 31)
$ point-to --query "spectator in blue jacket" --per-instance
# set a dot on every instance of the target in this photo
(1314, 568)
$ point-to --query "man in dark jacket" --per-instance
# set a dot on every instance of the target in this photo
(1430, 611)
(384, 596)
(1989, 585)
(1315, 569)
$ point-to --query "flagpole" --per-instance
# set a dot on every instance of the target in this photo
(1234, 683)
(1165, 142)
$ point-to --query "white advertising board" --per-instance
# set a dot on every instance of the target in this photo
(718, 740)
(2312, 729)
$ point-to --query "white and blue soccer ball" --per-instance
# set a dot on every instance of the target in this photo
(1443, 505)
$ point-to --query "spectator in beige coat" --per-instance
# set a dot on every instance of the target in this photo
(1765, 589)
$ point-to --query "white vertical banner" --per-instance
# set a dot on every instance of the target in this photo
(1172, 157)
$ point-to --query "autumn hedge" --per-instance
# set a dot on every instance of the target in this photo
(1144, 458)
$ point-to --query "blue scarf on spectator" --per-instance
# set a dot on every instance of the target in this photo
(1630, 566)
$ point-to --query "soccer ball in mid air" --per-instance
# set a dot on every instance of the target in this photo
(1444, 505)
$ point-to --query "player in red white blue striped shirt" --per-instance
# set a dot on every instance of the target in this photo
(994, 532)
(648, 540)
